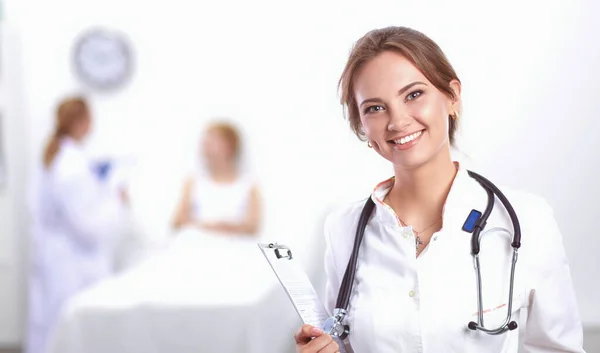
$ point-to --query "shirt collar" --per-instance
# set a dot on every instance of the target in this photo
(462, 198)
(70, 142)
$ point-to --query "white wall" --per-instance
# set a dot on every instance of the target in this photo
(12, 217)
(528, 70)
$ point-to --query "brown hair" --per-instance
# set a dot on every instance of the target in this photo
(419, 49)
(230, 134)
(69, 112)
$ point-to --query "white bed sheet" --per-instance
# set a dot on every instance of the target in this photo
(203, 293)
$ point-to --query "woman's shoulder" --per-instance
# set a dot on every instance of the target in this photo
(528, 204)
(69, 163)
(533, 210)
(342, 221)
(525, 203)
(340, 231)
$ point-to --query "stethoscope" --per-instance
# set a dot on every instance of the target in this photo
(475, 224)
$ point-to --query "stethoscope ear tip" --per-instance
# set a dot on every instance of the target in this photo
(511, 326)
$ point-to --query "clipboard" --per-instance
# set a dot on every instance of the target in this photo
(297, 286)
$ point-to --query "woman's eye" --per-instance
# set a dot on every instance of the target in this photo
(373, 109)
(413, 95)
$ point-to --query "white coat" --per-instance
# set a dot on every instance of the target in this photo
(74, 221)
(401, 303)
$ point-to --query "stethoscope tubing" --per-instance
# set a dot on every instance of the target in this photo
(492, 191)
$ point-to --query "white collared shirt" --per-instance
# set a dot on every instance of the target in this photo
(401, 303)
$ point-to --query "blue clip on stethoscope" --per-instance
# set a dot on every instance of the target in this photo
(475, 224)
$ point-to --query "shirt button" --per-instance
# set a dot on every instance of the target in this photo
(411, 293)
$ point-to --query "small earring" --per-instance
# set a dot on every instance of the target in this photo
(369, 144)
(455, 115)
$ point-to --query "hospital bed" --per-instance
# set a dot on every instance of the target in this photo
(203, 293)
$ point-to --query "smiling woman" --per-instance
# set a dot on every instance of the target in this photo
(404, 98)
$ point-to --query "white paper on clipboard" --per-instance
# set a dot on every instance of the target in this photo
(297, 285)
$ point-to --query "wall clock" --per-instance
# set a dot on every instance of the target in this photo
(103, 59)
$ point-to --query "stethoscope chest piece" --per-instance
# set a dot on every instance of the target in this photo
(333, 325)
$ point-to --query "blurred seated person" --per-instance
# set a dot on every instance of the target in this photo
(222, 199)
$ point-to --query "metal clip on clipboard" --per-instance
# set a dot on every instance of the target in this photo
(297, 285)
(278, 249)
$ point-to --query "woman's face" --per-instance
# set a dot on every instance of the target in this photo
(216, 149)
(403, 115)
(82, 128)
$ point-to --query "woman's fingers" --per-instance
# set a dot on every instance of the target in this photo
(306, 333)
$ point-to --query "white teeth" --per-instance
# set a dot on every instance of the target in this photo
(408, 138)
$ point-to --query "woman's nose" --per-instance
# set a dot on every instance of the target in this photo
(399, 119)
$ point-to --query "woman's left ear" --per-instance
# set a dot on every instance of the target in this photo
(456, 101)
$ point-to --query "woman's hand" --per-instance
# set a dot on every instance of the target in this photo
(322, 343)
(124, 196)
(182, 220)
(222, 227)
(213, 226)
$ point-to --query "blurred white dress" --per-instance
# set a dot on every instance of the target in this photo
(213, 201)
(75, 218)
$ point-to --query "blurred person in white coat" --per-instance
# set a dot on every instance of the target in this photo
(75, 220)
